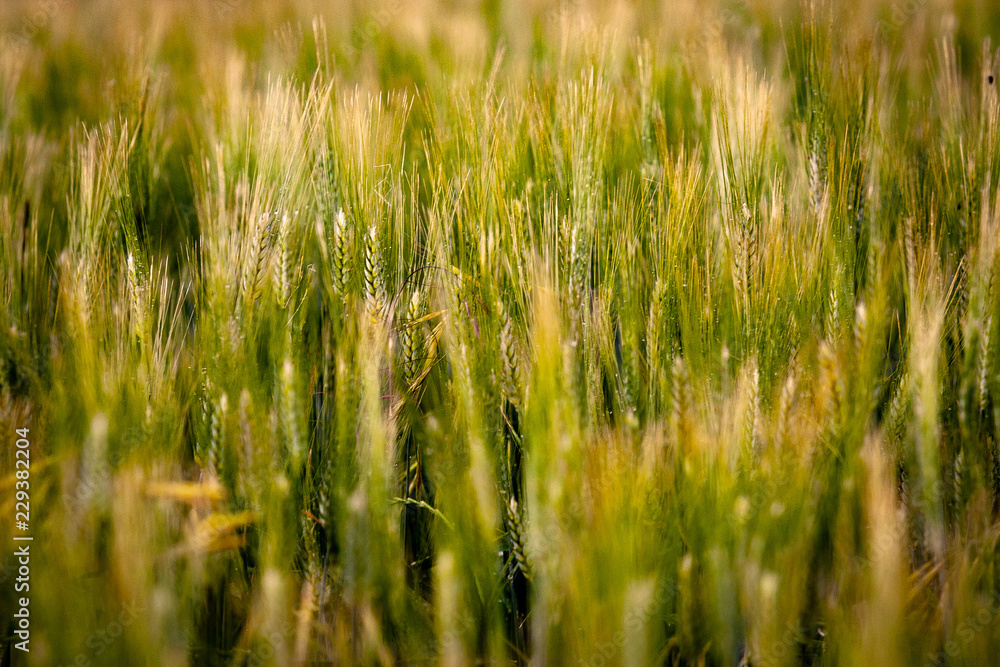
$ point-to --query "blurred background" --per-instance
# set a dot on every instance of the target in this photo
(583, 333)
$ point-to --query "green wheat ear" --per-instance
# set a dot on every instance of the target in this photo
(516, 534)
(290, 411)
(412, 340)
(260, 249)
(510, 372)
(341, 252)
(983, 363)
(375, 295)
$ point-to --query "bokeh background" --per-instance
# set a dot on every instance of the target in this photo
(502, 332)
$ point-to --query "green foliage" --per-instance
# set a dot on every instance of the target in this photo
(653, 333)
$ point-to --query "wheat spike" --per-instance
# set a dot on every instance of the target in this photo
(412, 340)
(510, 372)
(984, 347)
(516, 534)
(375, 298)
(341, 252)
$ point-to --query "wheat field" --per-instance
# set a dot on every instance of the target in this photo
(504, 332)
